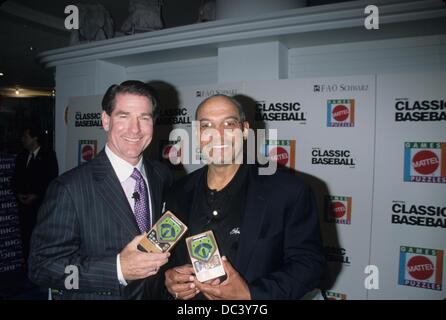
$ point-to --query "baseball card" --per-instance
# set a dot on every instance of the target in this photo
(164, 234)
(205, 256)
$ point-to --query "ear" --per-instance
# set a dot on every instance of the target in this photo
(105, 120)
(245, 130)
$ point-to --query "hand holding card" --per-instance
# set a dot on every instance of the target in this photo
(164, 234)
(205, 256)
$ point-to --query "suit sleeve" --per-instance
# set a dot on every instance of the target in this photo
(303, 257)
(56, 243)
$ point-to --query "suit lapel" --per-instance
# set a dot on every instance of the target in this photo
(252, 221)
(110, 189)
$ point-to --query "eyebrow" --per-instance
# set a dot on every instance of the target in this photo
(128, 113)
(122, 112)
(227, 118)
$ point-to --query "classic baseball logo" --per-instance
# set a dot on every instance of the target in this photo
(87, 150)
(89, 119)
(332, 295)
(421, 268)
(337, 254)
(280, 111)
(419, 110)
(203, 248)
(425, 162)
(173, 116)
(332, 157)
(338, 209)
(415, 214)
(341, 113)
(281, 151)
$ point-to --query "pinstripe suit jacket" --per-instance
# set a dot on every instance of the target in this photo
(86, 221)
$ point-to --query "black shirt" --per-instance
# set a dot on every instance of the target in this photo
(229, 206)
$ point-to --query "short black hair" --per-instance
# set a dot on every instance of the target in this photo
(133, 87)
(238, 105)
(34, 132)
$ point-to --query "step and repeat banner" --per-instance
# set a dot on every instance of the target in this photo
(372, 147)
(325, 131)
(11, 258)
(409, 207)
(85, 135)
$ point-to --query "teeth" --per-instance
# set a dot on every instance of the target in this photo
(132, 140)
(220, 147)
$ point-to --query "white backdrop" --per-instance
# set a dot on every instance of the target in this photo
(340, 135)
(391, 241)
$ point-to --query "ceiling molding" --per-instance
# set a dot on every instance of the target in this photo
(270, 27)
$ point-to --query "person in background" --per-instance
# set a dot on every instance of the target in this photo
(35, 168)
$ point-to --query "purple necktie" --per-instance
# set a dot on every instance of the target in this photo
(142, 209)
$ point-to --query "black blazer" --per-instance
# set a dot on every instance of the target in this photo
(86, 221)
(280, 253)
(35, 178)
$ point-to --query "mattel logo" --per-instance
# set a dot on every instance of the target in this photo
(425, 162)
(421, 268)
(281, 151)
(332, 295)
(338, 209)
(341, 113)
(87, 150)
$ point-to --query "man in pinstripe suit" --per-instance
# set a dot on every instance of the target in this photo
(85, 243)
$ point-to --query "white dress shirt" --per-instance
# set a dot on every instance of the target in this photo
(34, 154)
(124, 170)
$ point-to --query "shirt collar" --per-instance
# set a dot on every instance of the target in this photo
(122, 168)
(35, 152)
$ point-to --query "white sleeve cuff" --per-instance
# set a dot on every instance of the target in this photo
(120, 275)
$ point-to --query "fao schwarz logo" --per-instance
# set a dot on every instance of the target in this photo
(341, 113)
(425, 162)
(421, 268)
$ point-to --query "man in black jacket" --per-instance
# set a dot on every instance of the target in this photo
(266, 226)
(34, 170)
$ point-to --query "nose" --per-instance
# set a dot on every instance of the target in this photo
(134, 125)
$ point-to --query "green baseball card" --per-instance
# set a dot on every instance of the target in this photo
(164, 234)
(205, 256)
